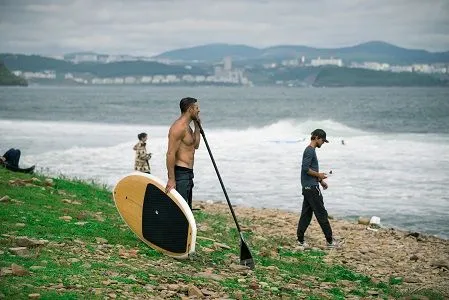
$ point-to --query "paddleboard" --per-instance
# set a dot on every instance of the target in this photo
(163, 221)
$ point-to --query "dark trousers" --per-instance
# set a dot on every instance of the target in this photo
(12, 157)
(184, 183)
(313, 204)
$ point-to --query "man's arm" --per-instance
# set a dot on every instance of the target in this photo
(197, 134)
(320, 176)
(175, 136)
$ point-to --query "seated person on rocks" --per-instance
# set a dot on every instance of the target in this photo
(11, 157)
(10, 160)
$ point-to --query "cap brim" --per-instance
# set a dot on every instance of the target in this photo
(326, 141)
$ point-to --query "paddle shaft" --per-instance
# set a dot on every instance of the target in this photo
(219, 178)
(246, 257)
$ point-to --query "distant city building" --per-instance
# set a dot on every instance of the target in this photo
(422, 68)
(85, 58)
(290, 62)
(97, 81)
(103, 58)
(158, 79)
(399, 69)
(130, 80)
(227, 63)
(326, 61)
(172, 79)
(47, 74)
(269, 66)
(200, 78)
(146, 79)
(371, 66)
(188, 78)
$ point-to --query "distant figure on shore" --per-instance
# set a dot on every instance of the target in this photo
(142, 163)
(182, 143)
(10, 160)
(343, 142)
(313, 199)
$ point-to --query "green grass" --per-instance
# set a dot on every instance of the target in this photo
(99, 270)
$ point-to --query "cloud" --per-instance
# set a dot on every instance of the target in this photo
(150, 27)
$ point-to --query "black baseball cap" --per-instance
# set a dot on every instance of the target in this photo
(321, 134)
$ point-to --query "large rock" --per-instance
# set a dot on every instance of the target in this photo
(49, 182)
(195, 292)
(18, 270)
(23, 241)
(5, 199)
(363, 221)
(20, 251)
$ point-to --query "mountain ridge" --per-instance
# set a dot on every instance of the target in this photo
(369, 51)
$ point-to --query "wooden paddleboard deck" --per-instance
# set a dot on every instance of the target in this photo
(163, 221)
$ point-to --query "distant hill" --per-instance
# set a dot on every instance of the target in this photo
(341, 77)
(8, 78)
(212, 53)
(36, 63)
(329, 76)
(371, 51)
(300, 76)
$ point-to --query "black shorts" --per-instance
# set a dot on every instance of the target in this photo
(184, 183)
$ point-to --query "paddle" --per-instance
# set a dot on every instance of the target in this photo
(246, 258)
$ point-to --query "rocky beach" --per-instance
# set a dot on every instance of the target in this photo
(64, 239)
(419, 261)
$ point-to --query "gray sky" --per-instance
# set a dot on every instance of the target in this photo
(148, 27)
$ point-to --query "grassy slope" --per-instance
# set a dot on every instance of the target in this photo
(77, 266)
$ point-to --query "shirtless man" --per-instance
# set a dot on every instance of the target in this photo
(182, 142)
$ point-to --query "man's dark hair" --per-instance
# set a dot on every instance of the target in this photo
(185, 103)
(142, 135)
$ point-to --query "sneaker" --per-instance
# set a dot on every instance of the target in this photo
(335, 244)
(303, 245)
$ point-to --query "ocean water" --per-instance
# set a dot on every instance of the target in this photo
(394, 163)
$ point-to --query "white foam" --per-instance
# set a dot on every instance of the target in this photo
(394, 176)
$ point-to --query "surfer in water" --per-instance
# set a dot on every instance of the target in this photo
(313, 199)
(182, 143)
(141, 161)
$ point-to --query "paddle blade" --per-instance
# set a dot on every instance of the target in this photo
(246, 259)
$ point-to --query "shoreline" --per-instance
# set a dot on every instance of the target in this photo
(417, 260)
(353, 219)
